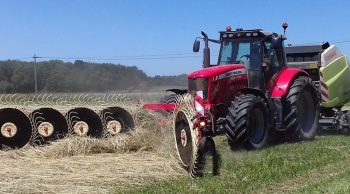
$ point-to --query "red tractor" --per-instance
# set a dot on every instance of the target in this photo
(250, 95)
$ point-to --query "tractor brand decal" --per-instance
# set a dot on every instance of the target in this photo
(233, 73)
(114, 127)
(81, 128)
(45, 129)
(183, 138)
(323, 89)
(199, 104)
(8, 130)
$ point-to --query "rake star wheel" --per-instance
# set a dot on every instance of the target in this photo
(15, 128)
(186, 141)
(84, 122)
(49, 125)
(116, 120)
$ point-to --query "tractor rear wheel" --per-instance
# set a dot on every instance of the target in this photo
(248, 122)
(302, 110)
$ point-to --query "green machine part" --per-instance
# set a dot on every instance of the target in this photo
(335, 89)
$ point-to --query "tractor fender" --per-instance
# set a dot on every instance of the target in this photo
(253, 91)
(284, 80)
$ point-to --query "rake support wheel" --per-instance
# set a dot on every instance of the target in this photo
(208, 160)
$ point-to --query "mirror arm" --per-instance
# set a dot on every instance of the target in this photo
(214, 41)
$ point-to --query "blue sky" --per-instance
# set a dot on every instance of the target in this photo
(156, 35)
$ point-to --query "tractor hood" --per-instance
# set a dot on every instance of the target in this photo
(215, 71)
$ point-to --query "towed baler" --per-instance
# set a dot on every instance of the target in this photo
(330, 73)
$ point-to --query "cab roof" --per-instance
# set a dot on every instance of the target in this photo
(240, 33)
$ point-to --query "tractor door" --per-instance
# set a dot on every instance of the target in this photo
(271, 65)
(255, 78)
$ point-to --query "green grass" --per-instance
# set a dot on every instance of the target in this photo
(322, 165)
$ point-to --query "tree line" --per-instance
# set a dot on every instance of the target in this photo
(58, 76)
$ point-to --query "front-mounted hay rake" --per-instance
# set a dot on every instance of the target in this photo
(197, 152)
(40, 119)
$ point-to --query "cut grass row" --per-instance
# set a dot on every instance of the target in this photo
(305, 167)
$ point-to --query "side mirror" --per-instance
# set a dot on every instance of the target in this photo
(276, 42)
(196, 45)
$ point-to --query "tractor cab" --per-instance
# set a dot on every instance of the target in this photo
(259, 51)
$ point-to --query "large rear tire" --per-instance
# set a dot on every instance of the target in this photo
(302, 110)
(247, 122)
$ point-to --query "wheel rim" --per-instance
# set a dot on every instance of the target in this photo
(8, 130)
(183, 138)
(256, 126)
(306, 112)
(46, 129)
(114, 127)
(81, 128)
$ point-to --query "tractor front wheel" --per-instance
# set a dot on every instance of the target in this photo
(247, 122)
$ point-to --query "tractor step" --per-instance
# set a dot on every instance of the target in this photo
(326, 121)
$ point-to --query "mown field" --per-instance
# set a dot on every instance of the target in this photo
(145, 162)
(320, 166)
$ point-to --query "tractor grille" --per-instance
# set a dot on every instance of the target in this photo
(199, 84)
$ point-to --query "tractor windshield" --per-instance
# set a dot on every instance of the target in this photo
(241, 51)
